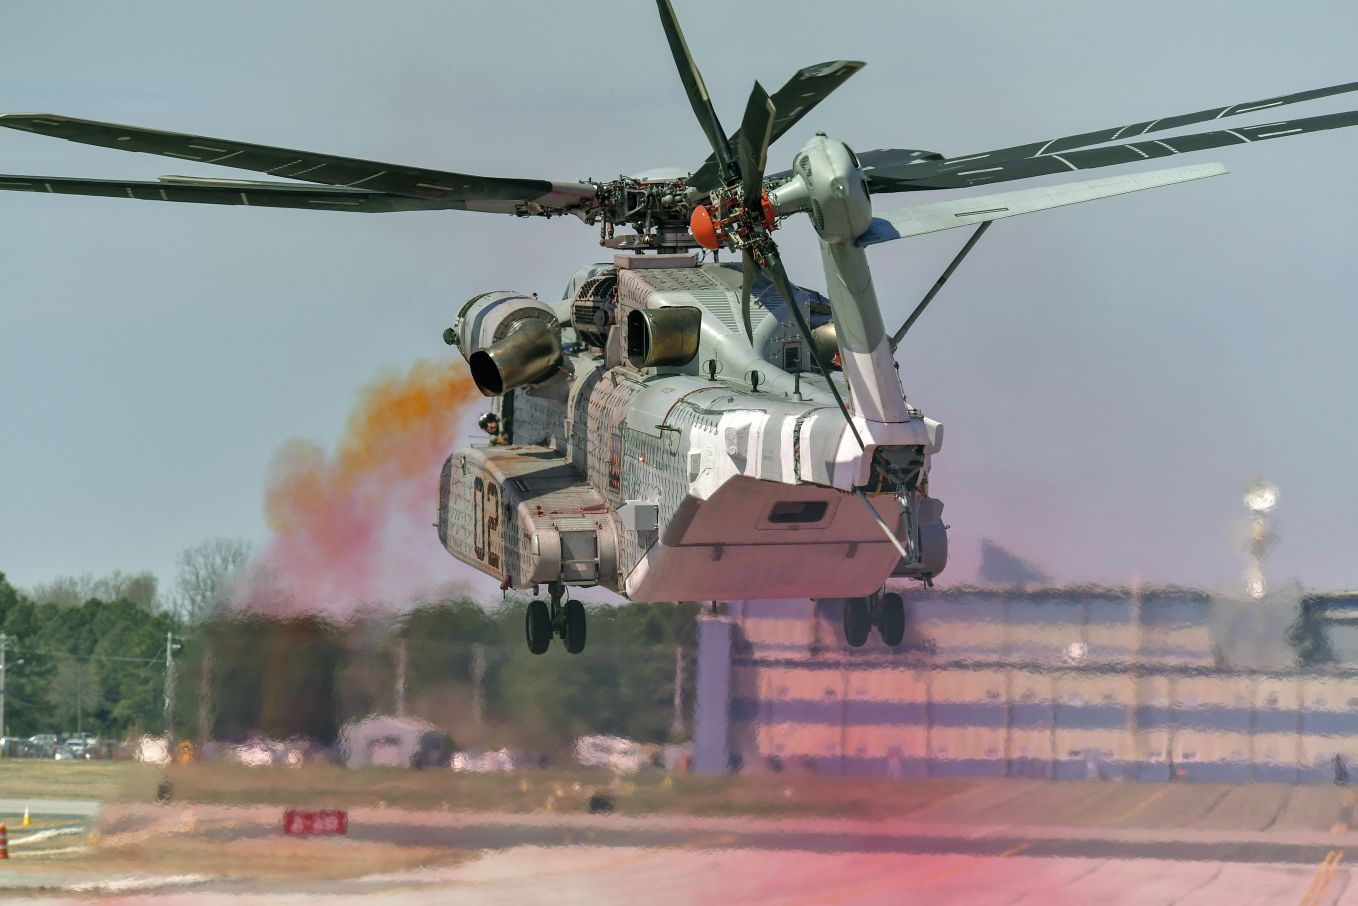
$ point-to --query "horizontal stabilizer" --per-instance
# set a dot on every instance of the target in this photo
(944, 215)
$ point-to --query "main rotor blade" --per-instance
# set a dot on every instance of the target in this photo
(697, 91)
(904, 179)
(528, 195)
(807, 88)
(1119, 133)
(779, 275)
(880, 158)
(752, 145)
(226, 191)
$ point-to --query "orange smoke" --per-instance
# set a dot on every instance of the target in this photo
(354, 528)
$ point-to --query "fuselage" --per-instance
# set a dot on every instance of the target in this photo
(727, 476)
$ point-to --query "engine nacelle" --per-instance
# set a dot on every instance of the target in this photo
(509, 339)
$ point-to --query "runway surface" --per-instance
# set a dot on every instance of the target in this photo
(1002, 842)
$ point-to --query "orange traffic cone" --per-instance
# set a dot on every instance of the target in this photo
(4, 842)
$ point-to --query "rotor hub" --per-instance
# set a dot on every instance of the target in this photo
(738, 229)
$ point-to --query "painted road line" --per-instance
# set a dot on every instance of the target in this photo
(45, 835)
(1140, 806)
(1320, 883)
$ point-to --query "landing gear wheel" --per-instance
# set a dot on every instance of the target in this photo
(891, 621)
(575, 627)
(857, 621)
(537, 626)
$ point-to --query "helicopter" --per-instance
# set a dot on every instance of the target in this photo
(675, 426)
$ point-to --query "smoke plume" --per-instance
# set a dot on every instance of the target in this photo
(353, 527)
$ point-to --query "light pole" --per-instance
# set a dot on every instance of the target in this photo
(1260, 498)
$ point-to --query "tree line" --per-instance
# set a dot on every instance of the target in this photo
(91, 654)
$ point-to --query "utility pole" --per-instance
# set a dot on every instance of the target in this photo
(207, 700)
(170, 646)
(478, 682)
(677, 724)
(4, 650)
(401, 678)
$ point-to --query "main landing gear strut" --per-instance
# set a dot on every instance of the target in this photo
(565, 620)
(885, 612)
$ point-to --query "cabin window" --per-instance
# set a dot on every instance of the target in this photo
(797, 511)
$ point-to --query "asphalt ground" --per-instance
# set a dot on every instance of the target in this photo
(1003, 842)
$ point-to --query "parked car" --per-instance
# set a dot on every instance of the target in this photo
(621, 755)
(16, 747)
(70, 751)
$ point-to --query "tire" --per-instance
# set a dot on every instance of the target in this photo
(857, 622)
(575, 627)
(537, 626)
(892, 627)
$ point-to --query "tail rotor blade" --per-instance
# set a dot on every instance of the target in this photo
(696, 90)
(779, 275)
(752, 144)
(749, 271)
(807, 88)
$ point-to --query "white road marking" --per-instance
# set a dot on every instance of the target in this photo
(1238, 135)
(44, 835)
(973, 172)
(1259, 107)
(1064, 161)
(1137, 150)
(1280, 132)
(1172, 149)
(120, 885)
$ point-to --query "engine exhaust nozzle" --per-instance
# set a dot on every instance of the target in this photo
(529, 353)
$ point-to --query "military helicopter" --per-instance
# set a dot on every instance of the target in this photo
(677, 426)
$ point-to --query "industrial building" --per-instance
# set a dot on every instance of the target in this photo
(1066, 683)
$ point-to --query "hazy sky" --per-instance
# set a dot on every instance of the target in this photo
(1111, 376)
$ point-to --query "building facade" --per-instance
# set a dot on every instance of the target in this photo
(1091, 683)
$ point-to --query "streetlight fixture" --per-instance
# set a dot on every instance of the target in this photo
(1260, 499)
